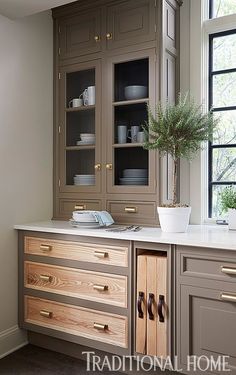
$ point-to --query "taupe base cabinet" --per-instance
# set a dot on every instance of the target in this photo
(128, 298)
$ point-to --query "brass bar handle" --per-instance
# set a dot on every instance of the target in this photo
(45, 248)
(109, 167)
(100, 327)
(100, 288)
(45, 278)
(109, 36)
(80, 207)
(46, 314)
(101, 254)
(228, 297)
(97, 38)
(97, 167)
(131, 209)
(228, 270)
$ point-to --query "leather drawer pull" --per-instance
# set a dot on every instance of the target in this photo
(228, 297)
(139, 304)
(131, 209)
(101, 254)
(228, 270)
(101, 288)
(100, 327)
(45, 278)
(46, 314)
(150, 303)
(45, 248)
(159, 308)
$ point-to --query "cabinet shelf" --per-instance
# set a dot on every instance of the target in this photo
(128, 102)
(82, 108)
(127, 145)
(77, 148)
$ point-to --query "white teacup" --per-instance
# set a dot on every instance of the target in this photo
(77, 102)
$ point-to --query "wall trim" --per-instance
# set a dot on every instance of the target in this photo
(11, 340)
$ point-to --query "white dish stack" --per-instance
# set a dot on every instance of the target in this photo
(86, 139)
(91, 219)
(84, 179)
(136, 176)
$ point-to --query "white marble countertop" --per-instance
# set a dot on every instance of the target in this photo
(211, 236)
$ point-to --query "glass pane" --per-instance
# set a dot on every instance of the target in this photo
(224, 52)
(225, 133)
(216, 201)
(80, 167)
(79, 124)
(131, 80)
(224, 164)
(224, 90)
(223, 7)
(76, 84)
(131, 166)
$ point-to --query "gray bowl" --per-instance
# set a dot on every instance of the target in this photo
(135, 92)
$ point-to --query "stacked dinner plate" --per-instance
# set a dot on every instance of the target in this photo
(91, 219)
(136, 176)
(84, 179)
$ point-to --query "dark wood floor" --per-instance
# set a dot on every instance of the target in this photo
(32, 360)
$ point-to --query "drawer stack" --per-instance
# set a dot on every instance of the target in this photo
(76, 290)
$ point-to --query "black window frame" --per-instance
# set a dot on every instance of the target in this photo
(211, 147)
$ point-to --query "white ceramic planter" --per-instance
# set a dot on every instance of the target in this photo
(174, 219)
(232, 218)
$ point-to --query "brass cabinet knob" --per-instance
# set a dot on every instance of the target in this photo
(131, 209)
(109, 36)
(97, 38)
(100, 288)
(97, 167)
(45, 248)
(80, 207)
(100, 327)
(45, 278)
(46, 314)
(109, 166)
(101, 254)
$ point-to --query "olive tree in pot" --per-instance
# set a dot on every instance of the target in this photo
(228, 204)
(178, 130)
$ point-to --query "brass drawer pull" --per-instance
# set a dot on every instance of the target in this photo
(80, 207)
(109, 166)
(101, 288)
(228, 297)
(97, 167)
(109, 36)
(228, 270)
(131, 209)
(46, 314)
(101, 254)
(100, 327)
(45, 248)
(45, 278)
(97, 38)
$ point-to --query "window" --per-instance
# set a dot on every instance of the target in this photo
(222, 98)
(219, 8)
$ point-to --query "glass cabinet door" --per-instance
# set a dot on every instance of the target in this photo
(80, 111)
(130, 167)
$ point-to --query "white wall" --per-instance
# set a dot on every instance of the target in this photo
(26, 104)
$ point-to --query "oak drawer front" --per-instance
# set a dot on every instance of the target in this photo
(66, 206)
(84, 252)
(132, 210)
(95, 286)
(92, 324)
(204, 266)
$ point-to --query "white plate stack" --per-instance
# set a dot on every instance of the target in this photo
(136, 176)
(84, 179)
(84, 219)
(86, 139)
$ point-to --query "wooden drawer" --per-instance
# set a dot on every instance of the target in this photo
(84, 252)
(205, 263)
(92, 324)
(67, 206)
(95, 286)
(132, 212)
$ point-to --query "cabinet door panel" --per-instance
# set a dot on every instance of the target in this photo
(207, 324)
(141, 327)
(151, 301)
(161, 296)
(78, 34)
(131, 22)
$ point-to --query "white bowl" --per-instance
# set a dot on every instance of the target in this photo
(135, 92)
(135, 173)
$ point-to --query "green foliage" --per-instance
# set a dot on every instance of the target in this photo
(178, 129)
(228, 198)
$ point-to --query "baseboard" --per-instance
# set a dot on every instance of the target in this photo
(11, 340)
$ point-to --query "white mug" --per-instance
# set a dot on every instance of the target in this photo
(122, 134)
(141, 137)
(89, 96)
(77, 102)
(134, 133)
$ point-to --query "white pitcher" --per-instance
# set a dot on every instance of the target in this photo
(89, 96)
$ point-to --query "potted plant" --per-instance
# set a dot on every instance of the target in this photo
(178, 130)
(228, 204)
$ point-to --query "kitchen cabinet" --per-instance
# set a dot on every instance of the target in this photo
(113, 49)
